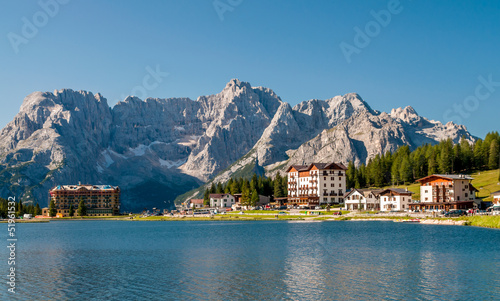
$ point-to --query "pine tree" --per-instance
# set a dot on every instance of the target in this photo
(71, 210)
(350, 175)
(206, 198)
(406, 171)
(278, 192)
(213, 189)
(82, 209)
(494, 153)
(52, 209)
(245, 194)
(478, 154)
(457, 159)
(254, 199)
(235, 188)
(20, 209)
(284, 186)
(219, 188)
(254, 182)
(445, 157)
(395, 171)
(38, 210)
(466, 155)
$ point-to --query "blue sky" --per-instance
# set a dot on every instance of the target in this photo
(441, 57)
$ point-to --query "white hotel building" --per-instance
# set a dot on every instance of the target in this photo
(316, 184)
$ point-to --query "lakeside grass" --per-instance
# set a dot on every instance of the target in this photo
(26, 221)
(488, 221)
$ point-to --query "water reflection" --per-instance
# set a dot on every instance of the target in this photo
(255, 260)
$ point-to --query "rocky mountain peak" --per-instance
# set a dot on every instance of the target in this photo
(156, 149)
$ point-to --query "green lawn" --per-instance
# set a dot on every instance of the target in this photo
(486, 182)
(490, 221)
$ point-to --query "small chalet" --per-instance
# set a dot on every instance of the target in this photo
(396, 199)
(221, 200)
(362, 199)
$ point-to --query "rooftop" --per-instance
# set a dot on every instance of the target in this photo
(320, 166)
(85, 187)
(218, 195)
(446, 177)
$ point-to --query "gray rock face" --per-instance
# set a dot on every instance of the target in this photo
(157, 149)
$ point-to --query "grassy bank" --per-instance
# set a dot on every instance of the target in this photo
(26, 221)
(482, 221)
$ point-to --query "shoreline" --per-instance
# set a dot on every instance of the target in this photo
(492, 222)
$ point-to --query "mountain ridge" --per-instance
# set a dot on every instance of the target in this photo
(158, 148)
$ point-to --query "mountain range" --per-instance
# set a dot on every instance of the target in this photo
(156, 149)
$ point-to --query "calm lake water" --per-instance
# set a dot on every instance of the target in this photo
(127, 260)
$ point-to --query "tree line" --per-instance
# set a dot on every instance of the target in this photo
(20, 209)
(250, 189)
(405, 166)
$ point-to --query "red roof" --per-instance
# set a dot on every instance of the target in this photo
(196, 201)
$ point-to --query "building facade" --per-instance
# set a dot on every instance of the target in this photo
(316, 184)
(196, 203)
(221, 200)
(395, 199)
(445, 192)
(100, 200)
(362, 199)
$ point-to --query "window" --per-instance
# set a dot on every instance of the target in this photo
(324, 185)
(332, 178)
(340, 185)
(426, 199)
(427, 191)
(324, 178)
(332, 185)
(340, 178)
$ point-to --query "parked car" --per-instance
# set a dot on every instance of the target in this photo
(455, 213)
(494, 210)
(317, 208)
(337, 213)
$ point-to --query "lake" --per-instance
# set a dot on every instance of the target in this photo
(253, 260)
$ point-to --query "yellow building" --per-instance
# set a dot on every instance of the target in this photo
(100, 200)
